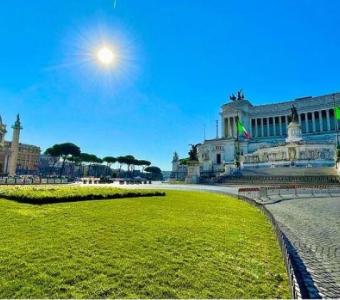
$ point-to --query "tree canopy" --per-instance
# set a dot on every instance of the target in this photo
(71, 152)
(109, 159)
(63, 150)
(144, 163)
(184, 161)
(90, 158)
(153, 169)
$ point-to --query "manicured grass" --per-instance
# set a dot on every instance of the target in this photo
(186, 244)
(46, 194)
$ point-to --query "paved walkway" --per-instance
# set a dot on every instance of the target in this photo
(312, 226)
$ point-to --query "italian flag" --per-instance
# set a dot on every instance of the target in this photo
(242, 130)
(337, 112)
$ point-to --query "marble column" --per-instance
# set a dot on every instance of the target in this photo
(228, 128)
(256, 129)
(225, 133)
(313, 121)
(274, 126)
(235, 126)
(320, 121)
(280, 123)
(262, 130)
(322, 124)
(268, 133)
(307, 123)
(232, 127)
(328, 120)
(13, 159)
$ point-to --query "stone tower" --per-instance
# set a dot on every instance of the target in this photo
(2, 133)
(12, 165)
(175, 162)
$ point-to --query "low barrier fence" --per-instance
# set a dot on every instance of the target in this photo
(31, 180)
(288, 190)
(325, 179)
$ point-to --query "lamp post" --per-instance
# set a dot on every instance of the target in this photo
(336, 131)
(237, 145)
(336, 122)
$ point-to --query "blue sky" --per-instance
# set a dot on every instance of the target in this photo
(177, 61)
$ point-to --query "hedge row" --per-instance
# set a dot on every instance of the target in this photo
(50, 195)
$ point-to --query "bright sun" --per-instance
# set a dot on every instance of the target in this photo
(105, 55)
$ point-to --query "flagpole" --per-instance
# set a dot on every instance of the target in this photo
(336, 123)
(204, 132)
(336, 131)
(237, 144)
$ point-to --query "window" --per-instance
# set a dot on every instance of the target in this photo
(218, 158)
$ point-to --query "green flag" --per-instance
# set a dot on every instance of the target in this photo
(337, 112)
(242, 129)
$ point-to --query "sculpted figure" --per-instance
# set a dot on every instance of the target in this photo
(292, 153)
(240, 95)
(232, 97)
(294, 114)
(193, 152)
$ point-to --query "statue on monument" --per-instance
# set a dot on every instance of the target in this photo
(240, 96)
(232, 97)
(193, 152)
(294, 114)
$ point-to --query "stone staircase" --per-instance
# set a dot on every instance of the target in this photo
(272, 176)
(291, 171)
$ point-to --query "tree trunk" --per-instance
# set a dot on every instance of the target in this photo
(62, 167)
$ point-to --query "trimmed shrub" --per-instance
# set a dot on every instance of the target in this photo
(56, 194)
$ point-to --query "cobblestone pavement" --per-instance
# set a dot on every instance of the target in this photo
(313, 228)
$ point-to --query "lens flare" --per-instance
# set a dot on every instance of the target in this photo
(105, 56)
(99, 58)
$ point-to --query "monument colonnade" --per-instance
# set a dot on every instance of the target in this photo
(312, 121)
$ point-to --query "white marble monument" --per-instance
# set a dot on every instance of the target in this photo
(193, 172)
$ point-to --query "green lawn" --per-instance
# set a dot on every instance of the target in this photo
(186, 244)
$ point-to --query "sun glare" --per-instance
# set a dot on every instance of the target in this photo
(102, 58)
(105, 55)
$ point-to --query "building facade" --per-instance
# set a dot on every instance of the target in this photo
(179, 170)
(268, 127)
(17, 158)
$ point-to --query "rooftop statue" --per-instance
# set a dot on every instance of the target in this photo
(232, 97)
(294, 114)
(240, 96)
